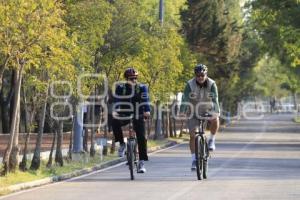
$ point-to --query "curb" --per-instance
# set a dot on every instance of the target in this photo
(49, 180)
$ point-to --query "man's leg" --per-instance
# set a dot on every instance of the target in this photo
(192, 123)
(139, 128)
(192, 141)
(214, 127)
(118, 134)
(117, 130)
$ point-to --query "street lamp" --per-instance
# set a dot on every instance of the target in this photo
(161, 11)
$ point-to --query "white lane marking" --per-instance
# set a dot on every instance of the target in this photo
(191, 186)
(238, 153)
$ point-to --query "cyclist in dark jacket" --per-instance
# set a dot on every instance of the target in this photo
(131, 99)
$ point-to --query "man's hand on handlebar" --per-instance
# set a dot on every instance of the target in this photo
(146, 115)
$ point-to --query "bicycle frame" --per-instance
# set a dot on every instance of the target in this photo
(131, 150)
(132, 156)
(201, 149)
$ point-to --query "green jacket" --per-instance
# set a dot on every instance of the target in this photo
(213, 93)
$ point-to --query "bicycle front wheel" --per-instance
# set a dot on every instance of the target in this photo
(130, 157)
(199, 156)
(205, 158)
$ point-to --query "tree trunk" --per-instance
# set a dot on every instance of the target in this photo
(36, 160)
(105, 148)
(49, 163)
(93, 130)
(174, 126)
(92, 148)
(157, 121)
(170, 125)
(12, 145)
(86, 120)
(85, 139)
(173, 118)
(23, 164)
(71, 141)
(181, 128)
(58, 154)
(14, 156)
(163, 123)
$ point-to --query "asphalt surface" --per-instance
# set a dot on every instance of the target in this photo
(254, 159)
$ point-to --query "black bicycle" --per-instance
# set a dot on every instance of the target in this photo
(201, 148)
(131, 150)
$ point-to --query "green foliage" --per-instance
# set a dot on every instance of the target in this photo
(213, 28)
(137, 39)
(277, 26)
(277, 23)
(270, 75)
(89, 20)
(33, 32)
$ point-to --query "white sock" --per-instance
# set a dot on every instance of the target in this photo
(212, 137)
(193, 157)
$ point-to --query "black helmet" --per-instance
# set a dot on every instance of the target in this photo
(200, 68)
(130, 73)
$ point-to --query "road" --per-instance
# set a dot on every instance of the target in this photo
(255, 159)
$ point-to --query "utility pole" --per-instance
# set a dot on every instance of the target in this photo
(77, 133)
(161, 11)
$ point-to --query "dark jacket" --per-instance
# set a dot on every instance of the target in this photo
(137, 97)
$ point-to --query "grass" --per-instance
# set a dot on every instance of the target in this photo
(69, 166)
(43, 172)
(297, 119)
(153, 143)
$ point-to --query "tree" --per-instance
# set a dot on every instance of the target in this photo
(269, 77)
(89, 21)
(33, 35)
(212, 27)
(29, 113)
(277, 23)
(239, 76)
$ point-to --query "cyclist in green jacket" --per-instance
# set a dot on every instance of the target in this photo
(200, 96)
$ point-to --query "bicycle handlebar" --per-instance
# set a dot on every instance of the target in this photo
(129, 117)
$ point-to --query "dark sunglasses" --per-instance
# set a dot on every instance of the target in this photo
(132, 78)
(200, 75)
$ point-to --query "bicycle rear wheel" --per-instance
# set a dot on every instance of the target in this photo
(130, 157)
(205, 158)
(199, 156)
